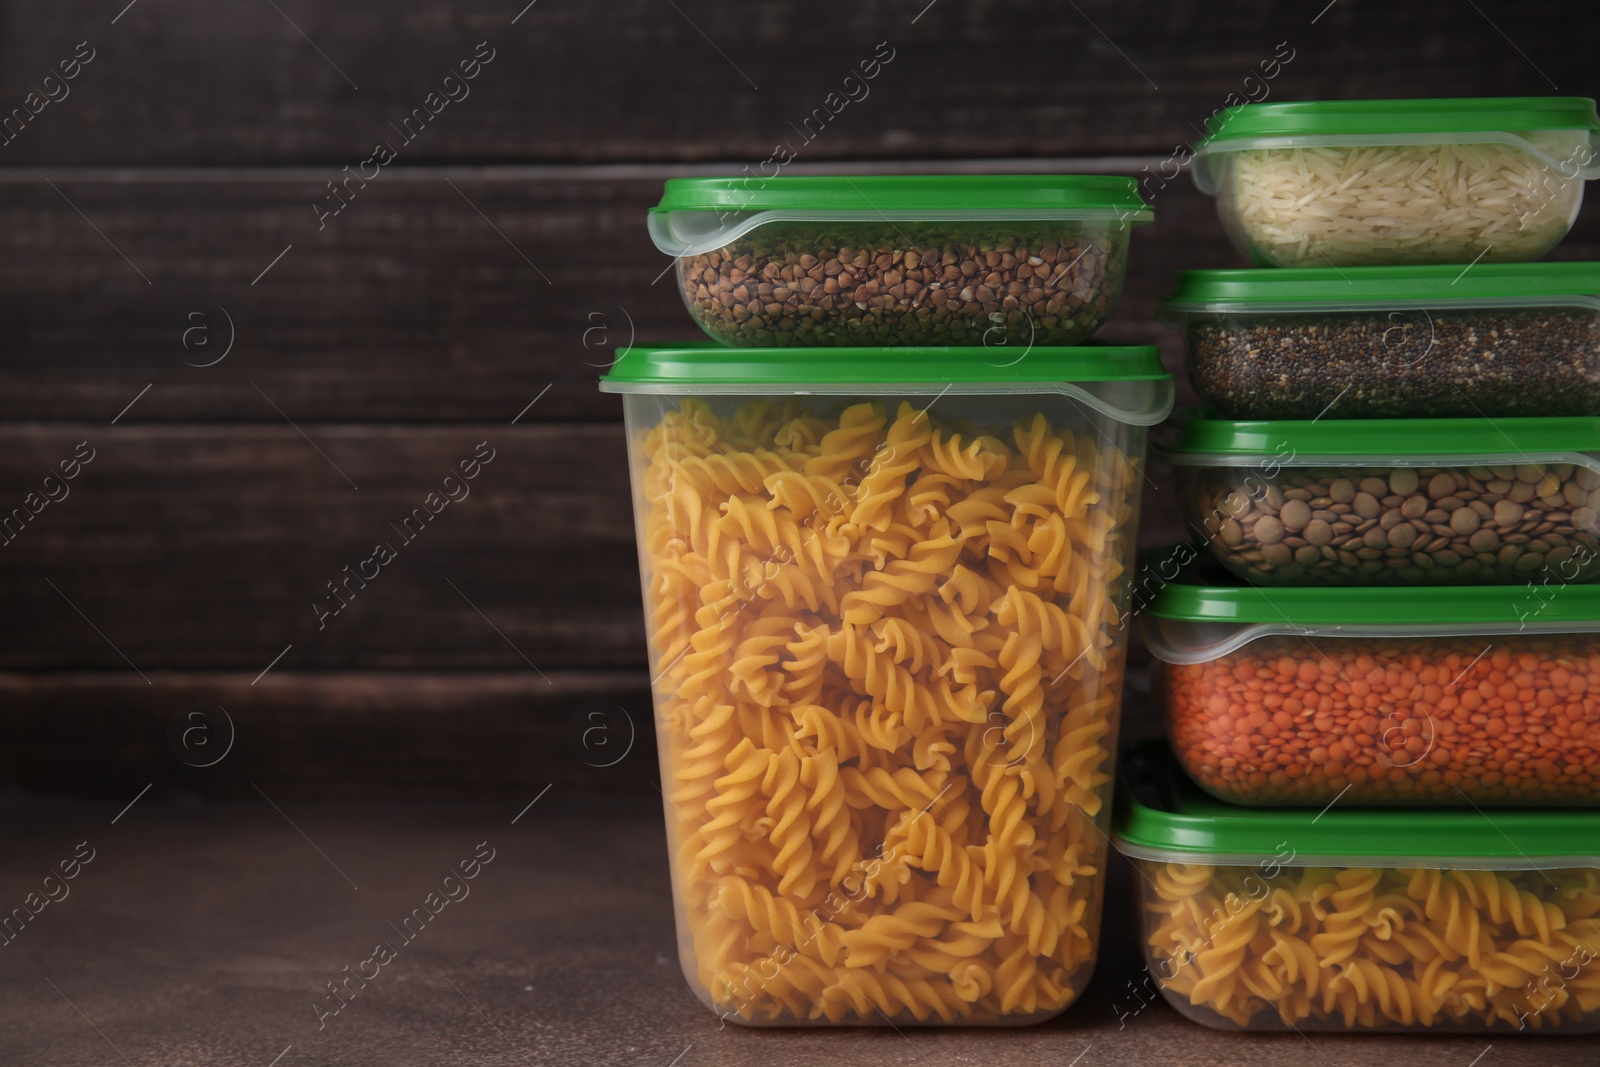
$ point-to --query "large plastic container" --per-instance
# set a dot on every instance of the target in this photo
(1498, 340)
(991, 260)
(1393, 501)
(1432, 922)
(1376, 182)
(1437, 696)
(886, 594)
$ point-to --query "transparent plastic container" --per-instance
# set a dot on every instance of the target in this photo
(966, 260)
(1498, 340)
(1384, 182)
(1428, 922)
(1482, 696)
(1394, 501)
(886, 592)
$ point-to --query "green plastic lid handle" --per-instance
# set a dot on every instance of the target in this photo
(699, 215)
(693, 233)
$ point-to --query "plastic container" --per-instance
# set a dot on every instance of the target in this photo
(1441, 696)
(923, 260)
(1448, 921)
(1497, 340)
(1394, 501)
(1378, 182)
(886, 592)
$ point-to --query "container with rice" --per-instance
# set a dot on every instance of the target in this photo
(1383, 182)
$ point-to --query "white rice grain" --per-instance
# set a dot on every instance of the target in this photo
(1374, 205)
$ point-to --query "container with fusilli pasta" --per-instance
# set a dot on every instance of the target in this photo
(886, 592)
(1427, 921)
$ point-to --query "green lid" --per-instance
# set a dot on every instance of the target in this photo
(1202, 593)
(1124, 383)
(1429, 286)
(706, 363)
(1322, 118)
(1404, 442)
(985, 195)
(1161, 815)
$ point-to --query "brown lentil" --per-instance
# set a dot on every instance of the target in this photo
(1373, 364)
(905, 284)
(1424, 526)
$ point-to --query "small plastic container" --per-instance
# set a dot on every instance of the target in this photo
(1480, 695)
(886, 591)
(1347, 183)
(988, 260)
(1393, 501)
(1429, 922)
(1497, 340)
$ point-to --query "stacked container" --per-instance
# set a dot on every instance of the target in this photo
(1370, 183)
(886, 586)
(1354, 919)
(1393, 492)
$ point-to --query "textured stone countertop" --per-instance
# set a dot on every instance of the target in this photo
(206, 934)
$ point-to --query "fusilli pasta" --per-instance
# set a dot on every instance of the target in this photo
(1377, 948)
(888, 653)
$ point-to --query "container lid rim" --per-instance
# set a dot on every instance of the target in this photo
(1187, 824)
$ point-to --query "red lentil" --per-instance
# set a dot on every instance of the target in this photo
(1434, 720)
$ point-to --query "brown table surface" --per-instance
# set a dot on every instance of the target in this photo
(205, 934)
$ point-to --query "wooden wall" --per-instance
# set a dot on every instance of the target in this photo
(159, 213)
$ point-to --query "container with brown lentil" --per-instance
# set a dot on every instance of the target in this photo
(1434, 696)
(1006, 260)
(1493, 340)
(1394, 501)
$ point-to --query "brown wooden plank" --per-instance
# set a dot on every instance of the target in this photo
(191, 82)
(409, 306)
(207, 546)
(330, 735)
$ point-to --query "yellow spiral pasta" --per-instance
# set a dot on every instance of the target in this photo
(888, 654)
(1378, 948)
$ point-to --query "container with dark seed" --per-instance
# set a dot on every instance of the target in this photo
(893, 261)
(1394, 501)
(1493, 340)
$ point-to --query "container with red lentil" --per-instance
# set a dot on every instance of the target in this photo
(1393, 501)
(965, 260)
(1447, 696)
(1494, 340)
